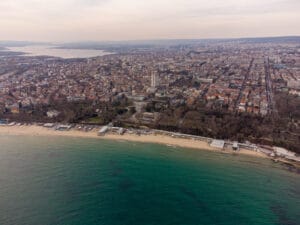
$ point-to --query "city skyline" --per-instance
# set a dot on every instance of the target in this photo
(116, 20)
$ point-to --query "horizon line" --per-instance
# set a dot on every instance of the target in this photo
(155, 39)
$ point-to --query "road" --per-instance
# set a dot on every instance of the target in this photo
(270, 98)
(244, 84)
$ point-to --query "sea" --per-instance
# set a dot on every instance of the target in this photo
(77, 181)
(55, 51)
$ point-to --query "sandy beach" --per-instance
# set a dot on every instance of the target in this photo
(33, 130)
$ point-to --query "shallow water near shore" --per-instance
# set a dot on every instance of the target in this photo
(69, 181)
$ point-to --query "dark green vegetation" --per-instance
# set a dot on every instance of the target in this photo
(280, 128)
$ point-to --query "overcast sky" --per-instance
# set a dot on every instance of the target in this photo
(97, 20)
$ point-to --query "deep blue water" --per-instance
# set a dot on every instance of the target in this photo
(69, 181)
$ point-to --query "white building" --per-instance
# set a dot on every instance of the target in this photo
(103, 131)
(49, 125)
(235, 146)
(217, 143)
(283, 152)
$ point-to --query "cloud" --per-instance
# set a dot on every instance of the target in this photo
(133, 19)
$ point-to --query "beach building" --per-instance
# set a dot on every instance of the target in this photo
(49, 125)
(103, 131)
(294, 158)
(121, 131)
(217, 143)
(63, 127)
(235, 146)
(283, 152)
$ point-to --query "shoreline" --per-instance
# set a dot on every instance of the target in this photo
(34, 130)
(41, 131)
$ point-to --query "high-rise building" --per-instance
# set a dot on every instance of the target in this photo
(154, 80)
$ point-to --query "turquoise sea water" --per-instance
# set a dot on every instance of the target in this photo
(69, 181)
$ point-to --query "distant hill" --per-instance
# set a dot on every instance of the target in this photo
(153, 43)
(176, 42)
(19, 43)
(287, 39)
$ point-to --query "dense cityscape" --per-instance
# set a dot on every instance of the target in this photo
(161, 112)
(251, 86)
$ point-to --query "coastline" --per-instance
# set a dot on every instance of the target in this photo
(34, 130)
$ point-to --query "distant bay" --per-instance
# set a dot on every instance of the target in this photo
(54, 51)
(70, 181)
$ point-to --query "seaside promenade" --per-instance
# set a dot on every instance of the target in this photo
(150, 136)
